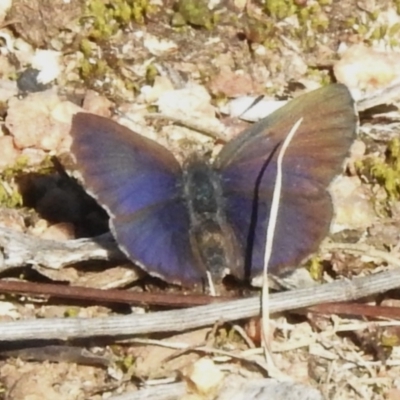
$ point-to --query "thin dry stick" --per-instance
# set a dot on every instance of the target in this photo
(273, 215)
(388, 95)
(216, 130)
(181, 320)
(168, 391)
(240, 355)
(364, 249)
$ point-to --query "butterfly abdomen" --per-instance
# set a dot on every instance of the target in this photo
(213, 241)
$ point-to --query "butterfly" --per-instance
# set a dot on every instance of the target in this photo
(182, 222)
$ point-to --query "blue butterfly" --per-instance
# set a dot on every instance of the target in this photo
(180, 222)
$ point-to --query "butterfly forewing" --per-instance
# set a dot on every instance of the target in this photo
(247, 168)
(124, 170)
(139, 183)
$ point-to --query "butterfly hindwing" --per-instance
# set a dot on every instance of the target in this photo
(157, 239)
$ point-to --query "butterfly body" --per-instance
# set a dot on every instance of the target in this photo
(213, 242)
(180, 222)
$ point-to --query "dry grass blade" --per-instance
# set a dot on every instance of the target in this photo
(269, 240)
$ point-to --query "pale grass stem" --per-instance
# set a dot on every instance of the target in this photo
(273, 215)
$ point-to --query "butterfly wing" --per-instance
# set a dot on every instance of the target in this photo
(139, 183)
(247, 168)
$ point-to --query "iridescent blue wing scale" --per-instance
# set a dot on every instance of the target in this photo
(139, 183)
(247, 169)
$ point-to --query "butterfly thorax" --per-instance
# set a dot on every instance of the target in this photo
(213, 241)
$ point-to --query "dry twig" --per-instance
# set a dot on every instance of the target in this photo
(19, 249)
(181, 320)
